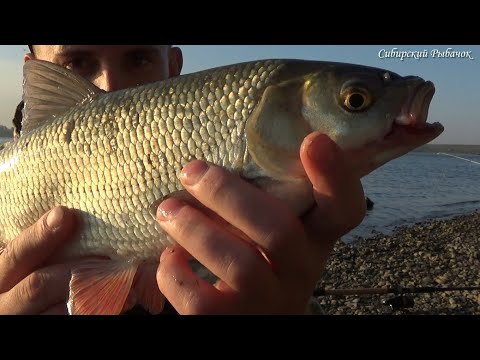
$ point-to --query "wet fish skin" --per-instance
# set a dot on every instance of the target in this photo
(112, 155)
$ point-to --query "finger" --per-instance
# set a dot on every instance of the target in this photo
(263, 218)
(189, 199)
(337, 190)
(228, 257)
(186, 292)
(38, 291)
(33, 246)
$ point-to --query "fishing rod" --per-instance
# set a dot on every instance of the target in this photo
(397, 290)
(458, 157)
(402, 298)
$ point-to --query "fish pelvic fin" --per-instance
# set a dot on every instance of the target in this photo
(50, 90)
(100, 286)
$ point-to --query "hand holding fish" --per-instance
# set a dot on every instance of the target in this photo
(294, 250)
(26, 286)
(33, 289)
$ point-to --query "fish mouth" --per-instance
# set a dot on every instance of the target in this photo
(401, 134)
(415, 110)
(399, 141)
(409, 130)
(412, 118)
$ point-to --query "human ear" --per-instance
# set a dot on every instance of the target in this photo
(175, 61)
(28, 56)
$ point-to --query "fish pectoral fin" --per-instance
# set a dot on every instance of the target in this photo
(276, 129)
(100, 286)
(50, 90)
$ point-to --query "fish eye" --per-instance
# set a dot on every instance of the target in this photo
(386, 77)
(356, 100)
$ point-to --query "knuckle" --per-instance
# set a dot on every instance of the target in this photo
(186, 224)
(233, 272)
(40, 229)
(33, 288)
(242, 272)
(283, 235)
(216, 182)
(10, 253)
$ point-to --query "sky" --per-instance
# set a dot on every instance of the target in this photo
(456, 76)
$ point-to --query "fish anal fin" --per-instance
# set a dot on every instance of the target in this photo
(100, 287)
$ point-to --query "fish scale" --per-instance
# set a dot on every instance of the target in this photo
(127, 139)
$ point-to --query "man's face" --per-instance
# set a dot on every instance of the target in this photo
(114, 67)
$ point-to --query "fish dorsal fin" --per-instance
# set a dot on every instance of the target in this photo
(49, 90)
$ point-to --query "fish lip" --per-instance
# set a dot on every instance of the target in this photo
(399, 141)
(414, 113)
(424, 129)
(415, 110)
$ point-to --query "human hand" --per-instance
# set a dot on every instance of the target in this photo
(27, 286)
(270, 262)
(340, 200)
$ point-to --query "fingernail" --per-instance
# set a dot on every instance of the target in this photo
(321, 150)
(54, 218)
(193, 172)
(169, 209)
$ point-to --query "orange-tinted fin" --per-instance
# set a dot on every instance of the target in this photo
(146, 290)
(100, 287)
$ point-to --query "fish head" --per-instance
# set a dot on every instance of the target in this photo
(373, 114)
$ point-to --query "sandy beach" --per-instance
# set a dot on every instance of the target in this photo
(437, 253)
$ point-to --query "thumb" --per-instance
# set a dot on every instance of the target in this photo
(337, 190)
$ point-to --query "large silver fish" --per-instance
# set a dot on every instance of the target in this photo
(113, 155)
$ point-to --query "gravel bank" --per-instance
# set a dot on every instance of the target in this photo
(437, 253)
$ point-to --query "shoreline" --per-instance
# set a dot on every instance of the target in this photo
(452, 149)
(434, 253)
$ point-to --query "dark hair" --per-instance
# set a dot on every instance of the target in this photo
(31, 48)
(17, 120)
